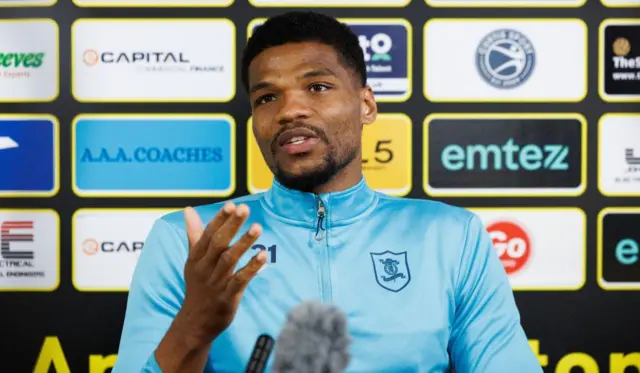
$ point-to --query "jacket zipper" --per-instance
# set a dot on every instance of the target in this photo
(320, 235)
(320, 230)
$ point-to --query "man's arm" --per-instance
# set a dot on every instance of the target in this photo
(184, 292)
(155, 297)
(486, 335)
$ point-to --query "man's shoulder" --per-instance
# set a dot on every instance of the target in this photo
(425, 209)
(208, 211)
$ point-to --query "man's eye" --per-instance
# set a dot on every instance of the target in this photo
(264, 99)
(319, 87)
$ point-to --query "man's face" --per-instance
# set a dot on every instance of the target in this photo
(308, 111)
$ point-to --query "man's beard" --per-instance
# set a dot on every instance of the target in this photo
(310, 180)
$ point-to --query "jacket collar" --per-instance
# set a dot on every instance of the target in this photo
(301, 208)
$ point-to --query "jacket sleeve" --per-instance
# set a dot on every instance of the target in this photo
(486, 335)
(155, 296)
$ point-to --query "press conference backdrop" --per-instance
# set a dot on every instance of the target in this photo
(115, 112)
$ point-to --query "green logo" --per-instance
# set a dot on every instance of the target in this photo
(18, 60)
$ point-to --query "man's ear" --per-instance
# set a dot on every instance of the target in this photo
(369, 108)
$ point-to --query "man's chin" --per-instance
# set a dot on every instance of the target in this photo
(309, 172)
(300, 165)
(299, 173)
(306, 177)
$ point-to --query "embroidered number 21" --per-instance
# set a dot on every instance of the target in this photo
(271, 249)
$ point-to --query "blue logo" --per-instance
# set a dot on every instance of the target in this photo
(391, 270)
(385, 49)
(155, 155)
(28, 156)
(505, 58)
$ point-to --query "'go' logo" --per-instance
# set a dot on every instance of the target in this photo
(380, 44)
(511, 243)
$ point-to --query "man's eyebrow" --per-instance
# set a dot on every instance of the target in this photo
(259, 86)
(319, 72)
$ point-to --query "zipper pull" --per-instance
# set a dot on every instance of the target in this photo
(320, 231)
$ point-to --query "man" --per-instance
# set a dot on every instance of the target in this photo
(418, 280)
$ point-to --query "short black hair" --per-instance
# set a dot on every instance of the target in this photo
(299, 27)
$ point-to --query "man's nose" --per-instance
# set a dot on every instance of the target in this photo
(294, 106)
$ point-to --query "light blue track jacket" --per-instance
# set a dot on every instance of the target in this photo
(419, 281)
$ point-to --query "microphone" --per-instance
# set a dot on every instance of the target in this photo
(260, 354)
(314, 340)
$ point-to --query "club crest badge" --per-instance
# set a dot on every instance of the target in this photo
(391, 270)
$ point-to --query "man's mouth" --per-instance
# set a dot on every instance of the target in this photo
(298, 141)
(293, 135)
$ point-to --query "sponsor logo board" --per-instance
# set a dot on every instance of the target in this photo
(151, 60)
(619, 248)
(506, 3)
(620, 3)
(541, 249)
(505, 60)
(29, 60)
(29, 250)
(505, 154)
(619, 75)
(22, 3)
(29, 156)
(619, 154)
(107, 245)
(330, 3)
(153, 155)
(153, 3)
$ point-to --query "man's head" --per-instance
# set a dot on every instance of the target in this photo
(306, 79)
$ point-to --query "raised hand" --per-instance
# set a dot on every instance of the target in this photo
(213, 290)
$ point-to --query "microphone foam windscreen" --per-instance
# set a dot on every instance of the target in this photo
(314, 340)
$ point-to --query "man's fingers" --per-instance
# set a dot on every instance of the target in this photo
(242, 278)
(223, 236)
(214, 225)
(244, 243)
(229, 258)
(194, 226)
(220, 239)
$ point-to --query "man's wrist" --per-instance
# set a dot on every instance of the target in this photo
(182, 349)
(188, 334)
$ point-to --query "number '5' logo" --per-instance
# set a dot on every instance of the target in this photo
(271, 249)
(383, 154)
